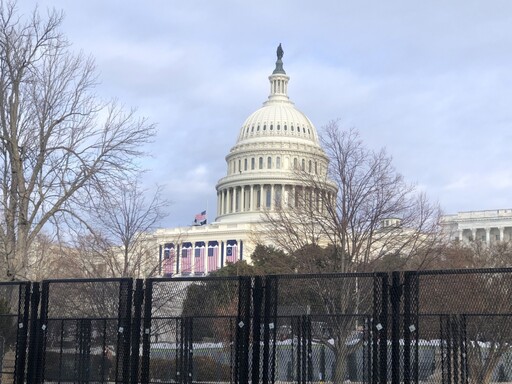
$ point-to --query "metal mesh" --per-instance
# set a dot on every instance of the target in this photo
(84, 330)
(328, 327)
(464, 326)
(192, 331)
(14, 307)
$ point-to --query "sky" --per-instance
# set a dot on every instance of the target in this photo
(430, 81)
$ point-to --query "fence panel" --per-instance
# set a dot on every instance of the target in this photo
(196, 329)
(462, 321)
(84, 331)
(331, 328)
(14, 316)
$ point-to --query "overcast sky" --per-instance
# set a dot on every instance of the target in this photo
(431, 81)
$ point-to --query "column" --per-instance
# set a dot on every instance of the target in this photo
(242, 198)
(487, 236)
(473, 234)
(262, 201)
(502, 233)
(272, 197)
(461, 235)
(251, 199)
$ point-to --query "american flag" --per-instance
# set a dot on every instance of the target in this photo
(213, 256)
(200, 218)
(186, 255)
(199, 259)
(169, 260)
(231, 253)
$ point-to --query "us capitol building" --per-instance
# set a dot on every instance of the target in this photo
(273, 142)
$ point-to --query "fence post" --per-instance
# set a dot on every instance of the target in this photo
(137, 312)
(380, 371)
(257, 293)
(123, 335)
(243, 331)
(269, 330)
(396, 293)
(32, 342)
(410, 327)
(22, 332)
(146, 334)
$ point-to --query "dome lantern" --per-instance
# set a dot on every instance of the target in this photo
(279, 80)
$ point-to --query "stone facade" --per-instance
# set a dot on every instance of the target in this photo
(487, 226)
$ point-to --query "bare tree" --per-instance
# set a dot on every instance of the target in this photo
(118, 241)
(57, 140)
(361, 206)
(362, 209)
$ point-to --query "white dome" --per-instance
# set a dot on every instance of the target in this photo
(277, 119)
(275, 142)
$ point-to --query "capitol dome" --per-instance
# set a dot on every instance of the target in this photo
(274, 143)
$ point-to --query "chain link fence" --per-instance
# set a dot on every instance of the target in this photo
(402, 327)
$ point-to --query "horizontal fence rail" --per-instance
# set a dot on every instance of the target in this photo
(402, 327)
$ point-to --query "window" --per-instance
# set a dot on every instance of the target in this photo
(245, 164)
(184, 252)
(252, 129)
(295, 163)
(268, 197)
(303, 164)
(197, 252)
(269, 162)
(264, 127)
(292, 128)
(260, 163)
(253, 162)
(278, 127)
(239, 165)
(278, 162)
(258, 128)
(285, 127)
(271, 127)
(316, 167)
(310, 166)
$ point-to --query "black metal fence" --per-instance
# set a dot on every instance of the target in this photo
(410, 327)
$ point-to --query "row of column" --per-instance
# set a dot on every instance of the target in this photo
(256, 197)
(488, 234)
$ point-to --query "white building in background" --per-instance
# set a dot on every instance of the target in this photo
(487, 226)
(274, 141)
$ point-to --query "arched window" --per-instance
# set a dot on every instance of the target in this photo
(278, 162)
(269, 162)
(310, 166)
(264, 127)
(278, 127)
(316, 168)
(261, 163)
(239, 165)
(258, 128)
(303, 165)
(245, 164)
(253, 162)
(292, 128)
(271, 127)
(285, 127)
(295, 163)
(252, 129)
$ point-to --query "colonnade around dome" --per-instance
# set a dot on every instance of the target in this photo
(263, 196)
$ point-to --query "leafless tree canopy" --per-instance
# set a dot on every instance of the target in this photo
(372, 212)
(58, 142)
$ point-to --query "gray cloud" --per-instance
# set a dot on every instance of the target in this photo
(429, 81)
